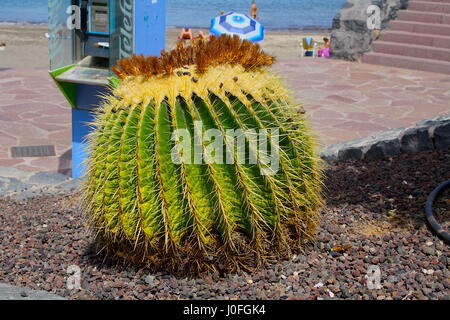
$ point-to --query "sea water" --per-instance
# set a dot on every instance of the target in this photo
(274, 14)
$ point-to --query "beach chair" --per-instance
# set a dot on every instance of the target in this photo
(308, 47)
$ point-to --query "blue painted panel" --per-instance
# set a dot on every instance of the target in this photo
(80, 130)
(149, 26)
(89, 97)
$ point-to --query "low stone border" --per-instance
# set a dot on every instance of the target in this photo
(19, 184)
(425, 135)
(8, 292)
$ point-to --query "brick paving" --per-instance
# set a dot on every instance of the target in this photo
(343, 100)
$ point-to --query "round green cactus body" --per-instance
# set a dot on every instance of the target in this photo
(193, 171)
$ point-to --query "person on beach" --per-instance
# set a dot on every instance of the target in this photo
(2, 45)
(186, 34)
(202, 36)
(254, 10)
(324, 51)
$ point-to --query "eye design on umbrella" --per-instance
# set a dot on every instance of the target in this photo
(239, 24)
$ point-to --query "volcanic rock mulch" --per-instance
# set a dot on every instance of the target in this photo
(373, 219)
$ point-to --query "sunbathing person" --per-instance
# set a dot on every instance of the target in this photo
(186, 34)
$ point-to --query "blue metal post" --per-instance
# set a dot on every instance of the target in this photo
(80, 129)
(149, 26)
(88, 98)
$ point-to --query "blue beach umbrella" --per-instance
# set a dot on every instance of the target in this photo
(239, 24)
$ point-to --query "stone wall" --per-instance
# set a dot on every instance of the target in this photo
(351, 37)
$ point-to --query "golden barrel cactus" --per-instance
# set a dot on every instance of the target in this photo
(169, 186)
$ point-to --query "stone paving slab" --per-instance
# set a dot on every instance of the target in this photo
(8, 292)
(343, 100)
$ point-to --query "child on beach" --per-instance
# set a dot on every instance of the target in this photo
(324, 51)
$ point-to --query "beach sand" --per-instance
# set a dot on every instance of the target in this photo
(27, 46)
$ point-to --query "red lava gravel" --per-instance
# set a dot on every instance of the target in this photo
(373, 227)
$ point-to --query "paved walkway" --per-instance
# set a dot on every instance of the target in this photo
(348, 100)
(344, 100)
(33, 112)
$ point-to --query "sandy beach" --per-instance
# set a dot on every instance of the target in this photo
(27, 46)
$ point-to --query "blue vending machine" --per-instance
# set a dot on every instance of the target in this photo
(87, 38)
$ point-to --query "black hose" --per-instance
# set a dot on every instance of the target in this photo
(429, 212)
